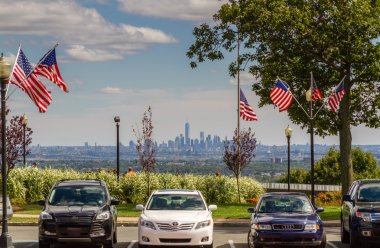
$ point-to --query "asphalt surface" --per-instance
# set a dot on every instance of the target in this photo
(224, 237)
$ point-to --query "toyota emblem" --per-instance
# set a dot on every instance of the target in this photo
(175, 223)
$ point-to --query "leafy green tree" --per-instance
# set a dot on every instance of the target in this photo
(287, 38)
(296, 176)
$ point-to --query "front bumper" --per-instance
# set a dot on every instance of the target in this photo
(96, 232)
(291, 238)
(202, 236)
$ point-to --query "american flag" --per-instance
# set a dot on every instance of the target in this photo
(246, 111)
(48, 68)
(315, 93)
(281, 95)
(336, 96)
(29, 83)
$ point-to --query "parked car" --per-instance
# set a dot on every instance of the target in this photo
(176, 218)
(78, 211)
(360, 215)
(9, 208)
(285, 219)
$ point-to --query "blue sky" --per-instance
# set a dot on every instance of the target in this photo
(119, 57)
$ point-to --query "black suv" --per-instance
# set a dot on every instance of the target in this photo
(360, 215)
(78, 211)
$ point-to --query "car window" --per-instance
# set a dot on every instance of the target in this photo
(285, 203)
(77, 195)
(369, 193)
(176, 202)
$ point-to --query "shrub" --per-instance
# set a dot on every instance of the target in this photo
(330, 198)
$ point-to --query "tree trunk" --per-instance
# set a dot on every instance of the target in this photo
(345, 138)
(238, 186)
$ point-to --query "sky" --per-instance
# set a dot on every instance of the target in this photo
(120, 57)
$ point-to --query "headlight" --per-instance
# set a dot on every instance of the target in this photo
(364, 215)
(103, 216)
(203, 224)
(148, 224)
(309, 227)
(45, 216)
(262, 227)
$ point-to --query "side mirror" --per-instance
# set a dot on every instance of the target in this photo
(347, 198)
(319, 210)
(251, 210)
(139, 207)
(41, 202)
(212, 207)
(115, 202)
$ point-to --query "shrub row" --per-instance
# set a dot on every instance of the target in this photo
(27, 185)
(329, 198)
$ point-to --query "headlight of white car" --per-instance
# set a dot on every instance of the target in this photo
(203, 224)
(103, 216)
(262, 227)
(45, 216)
(309, 227)
(147, 223)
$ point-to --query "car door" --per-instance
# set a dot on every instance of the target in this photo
(348, 205)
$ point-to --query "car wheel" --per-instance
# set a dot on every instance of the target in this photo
(344, 235)
(43, 245)
(323, 244)
(251, 244)
(354, 239)
(109, 243)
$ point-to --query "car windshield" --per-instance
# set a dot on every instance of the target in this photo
(176, 202)
(369, 193)
(285, 203)
(77, 195)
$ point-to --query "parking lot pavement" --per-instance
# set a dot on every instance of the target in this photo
(224, 237)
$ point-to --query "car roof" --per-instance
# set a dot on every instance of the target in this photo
(176, 192)
(284, 193)
(80, 183)
(368, 181)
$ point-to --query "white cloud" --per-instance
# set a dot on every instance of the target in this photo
(86, 33)
(246, 78)
(111, 90)
(193, 10)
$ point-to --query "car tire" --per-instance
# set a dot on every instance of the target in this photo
(43, 245)
(142, 246)
(344, 235)
(354, 239)
(324, 241)
(109, 243)
(251, 244)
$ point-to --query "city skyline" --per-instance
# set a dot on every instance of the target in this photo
(137, 60)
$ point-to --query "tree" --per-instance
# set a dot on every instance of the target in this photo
(290, 39)
(296, 176)
(15, 140)
(239, 152)
(146, 148)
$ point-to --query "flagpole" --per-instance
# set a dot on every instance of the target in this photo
(312, 141)
(18, 52)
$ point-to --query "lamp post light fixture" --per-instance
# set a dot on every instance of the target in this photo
(24, 122)
(5, 71)
(288, 134)
(311, 130)
(117, 121)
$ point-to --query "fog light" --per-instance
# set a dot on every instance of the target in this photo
(98, 233)
(50, 233)
(204, 239)
(145, 239)
(366, 233)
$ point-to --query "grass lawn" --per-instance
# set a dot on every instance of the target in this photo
(225, 211)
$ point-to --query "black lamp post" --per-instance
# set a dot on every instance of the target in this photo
(117, 121)
(309, 99)
(5, 71)
(288, 134)
(24, 122)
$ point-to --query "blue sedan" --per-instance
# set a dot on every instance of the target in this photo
(285, 219)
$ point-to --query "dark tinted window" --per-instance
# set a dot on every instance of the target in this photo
(285, 203)
(369, 193)
(78, 195)
(176, 202)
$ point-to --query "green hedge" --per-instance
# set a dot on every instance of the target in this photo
(27, 185)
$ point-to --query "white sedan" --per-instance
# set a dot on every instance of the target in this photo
(176, 218)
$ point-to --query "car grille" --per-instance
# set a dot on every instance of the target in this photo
(171, 227)
(175, 240)
(74, 232)
(375, 217)
(75, 219)
(287, 227)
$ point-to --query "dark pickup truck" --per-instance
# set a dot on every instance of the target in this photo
(360, 214)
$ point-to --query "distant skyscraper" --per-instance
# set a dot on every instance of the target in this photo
(202, 139)
(187, 133)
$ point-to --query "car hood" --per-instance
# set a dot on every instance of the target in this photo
(84, 210)
(368, 206)
(285, 218)
(179, 216)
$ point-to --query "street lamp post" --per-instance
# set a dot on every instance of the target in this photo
(24, 122)
(309, 99)
(117, 121)
(288, 134)
(5, 71)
